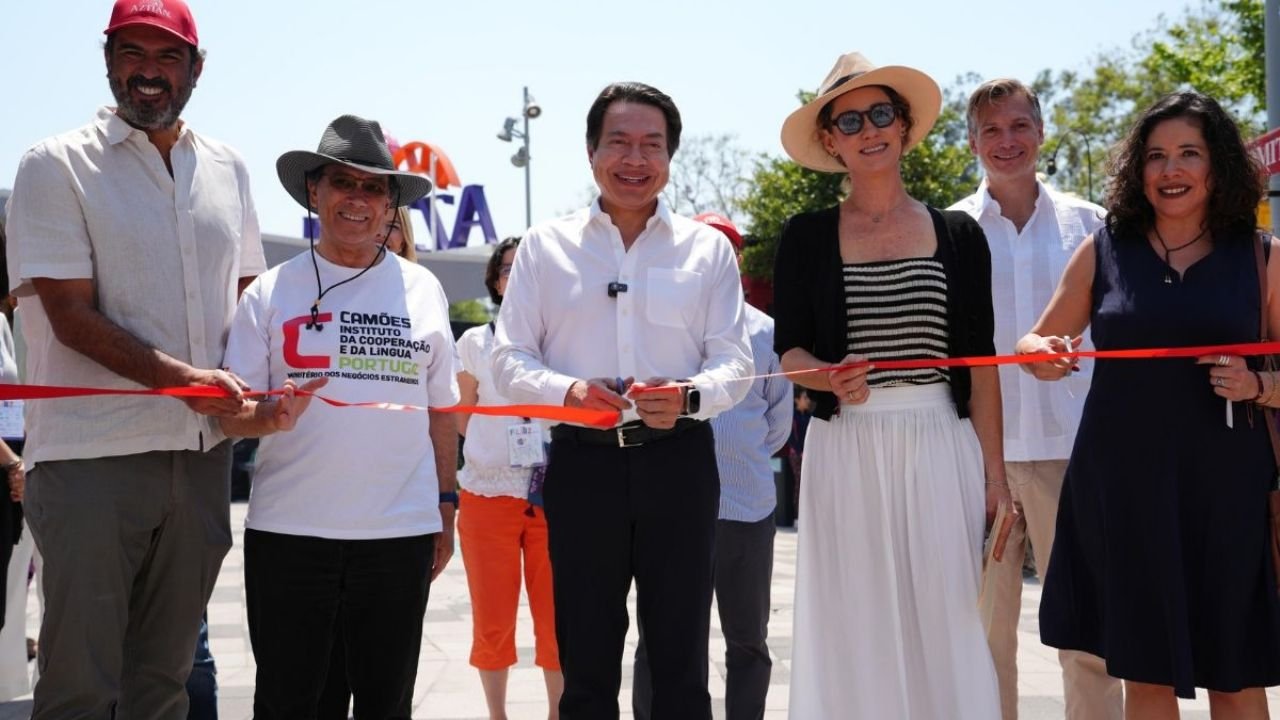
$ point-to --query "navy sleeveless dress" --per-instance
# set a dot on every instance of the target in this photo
(1161, 564)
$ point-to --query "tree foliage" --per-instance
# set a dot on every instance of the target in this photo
(708, 174)
(1216, 48)
(475, 312)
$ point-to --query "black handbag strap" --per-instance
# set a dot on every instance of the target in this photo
(1268, 361)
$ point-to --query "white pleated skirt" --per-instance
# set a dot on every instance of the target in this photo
(892, 499)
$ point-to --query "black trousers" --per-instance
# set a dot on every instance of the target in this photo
(647, 513)
(301, 591)
(744, 574)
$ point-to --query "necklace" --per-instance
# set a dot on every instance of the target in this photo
(1168, 278)
(322, 290)
(876, 218)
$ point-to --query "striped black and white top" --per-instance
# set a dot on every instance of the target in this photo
(897, 310)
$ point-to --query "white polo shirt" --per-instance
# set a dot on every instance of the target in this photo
(1040, 418)
(165, 253)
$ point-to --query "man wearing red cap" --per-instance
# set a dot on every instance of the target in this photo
(135, 236)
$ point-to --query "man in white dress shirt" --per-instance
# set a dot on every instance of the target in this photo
(134, 234)
(1032, 230)
(625, 306)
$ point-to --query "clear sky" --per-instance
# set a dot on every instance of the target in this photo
(449, 73)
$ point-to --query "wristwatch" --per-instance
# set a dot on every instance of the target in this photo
(692, 400)
(449, 497)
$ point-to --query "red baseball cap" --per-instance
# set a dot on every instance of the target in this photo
(724, 225)
(172, 16)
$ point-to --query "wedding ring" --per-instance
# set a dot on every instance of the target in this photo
(1220, 382)
(1224, 361)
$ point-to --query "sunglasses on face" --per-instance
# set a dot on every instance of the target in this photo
(849, 122)
(347, 184)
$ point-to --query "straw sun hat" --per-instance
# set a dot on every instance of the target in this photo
(800, 132)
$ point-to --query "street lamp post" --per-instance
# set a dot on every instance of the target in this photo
(529, 110)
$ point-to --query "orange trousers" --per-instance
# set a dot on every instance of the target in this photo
(496, 534)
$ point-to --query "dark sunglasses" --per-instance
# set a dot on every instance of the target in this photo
(348, 185)
(849, 122)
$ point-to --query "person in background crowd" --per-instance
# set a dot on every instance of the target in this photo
(899, 463)
(351, 515)
(127, 496)
(501, 522)
(15, 678)
(1161, 563)
(400, 236)
(747, 435)
(617, 291)
(1032, 229)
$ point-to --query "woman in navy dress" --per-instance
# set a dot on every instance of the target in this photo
(1161, 564)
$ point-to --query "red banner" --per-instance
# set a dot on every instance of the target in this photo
(1267, 145)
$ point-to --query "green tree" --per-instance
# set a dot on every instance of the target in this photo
(471, 311)
(1216, 49)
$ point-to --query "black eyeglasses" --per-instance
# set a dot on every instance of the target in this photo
(881, 115)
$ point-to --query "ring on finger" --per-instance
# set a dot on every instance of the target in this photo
(1220, 382)
(1224, 361)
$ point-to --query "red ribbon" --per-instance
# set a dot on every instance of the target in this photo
(1192, 351)
(609, 418)
(581, 416)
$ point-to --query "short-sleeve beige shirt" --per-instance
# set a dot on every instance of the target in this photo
(165, 253)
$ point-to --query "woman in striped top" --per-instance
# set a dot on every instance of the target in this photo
(900, 463)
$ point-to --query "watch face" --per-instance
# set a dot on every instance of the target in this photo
(694, 401)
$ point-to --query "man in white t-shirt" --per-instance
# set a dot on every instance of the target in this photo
(129, 239)
(1032, 230)
(352, 513)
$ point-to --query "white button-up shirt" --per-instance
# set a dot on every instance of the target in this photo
(1040, 418)
(165, 254)
(681, 315)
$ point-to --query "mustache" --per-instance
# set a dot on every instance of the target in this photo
(138, 81)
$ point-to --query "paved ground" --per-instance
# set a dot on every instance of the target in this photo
(449, 689)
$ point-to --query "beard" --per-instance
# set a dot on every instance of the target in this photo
(150, 116)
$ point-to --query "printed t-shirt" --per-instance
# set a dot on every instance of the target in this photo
(348, 473)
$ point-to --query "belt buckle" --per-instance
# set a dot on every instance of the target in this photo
(622, 438)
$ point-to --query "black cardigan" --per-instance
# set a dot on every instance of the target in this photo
(809, 303)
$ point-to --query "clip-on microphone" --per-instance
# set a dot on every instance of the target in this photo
(615, 288)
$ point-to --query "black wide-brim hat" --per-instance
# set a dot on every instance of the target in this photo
(356, 143)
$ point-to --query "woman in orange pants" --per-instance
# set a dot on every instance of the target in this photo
(499, 524)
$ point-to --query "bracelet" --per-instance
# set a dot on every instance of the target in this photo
(9, 467)
(1258, 376)
(449, 497)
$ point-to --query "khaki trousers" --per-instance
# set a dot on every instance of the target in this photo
(1090, 693)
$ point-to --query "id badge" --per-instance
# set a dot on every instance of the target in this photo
(524, 445)
(11, 427)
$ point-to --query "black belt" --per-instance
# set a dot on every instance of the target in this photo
(630, 435)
